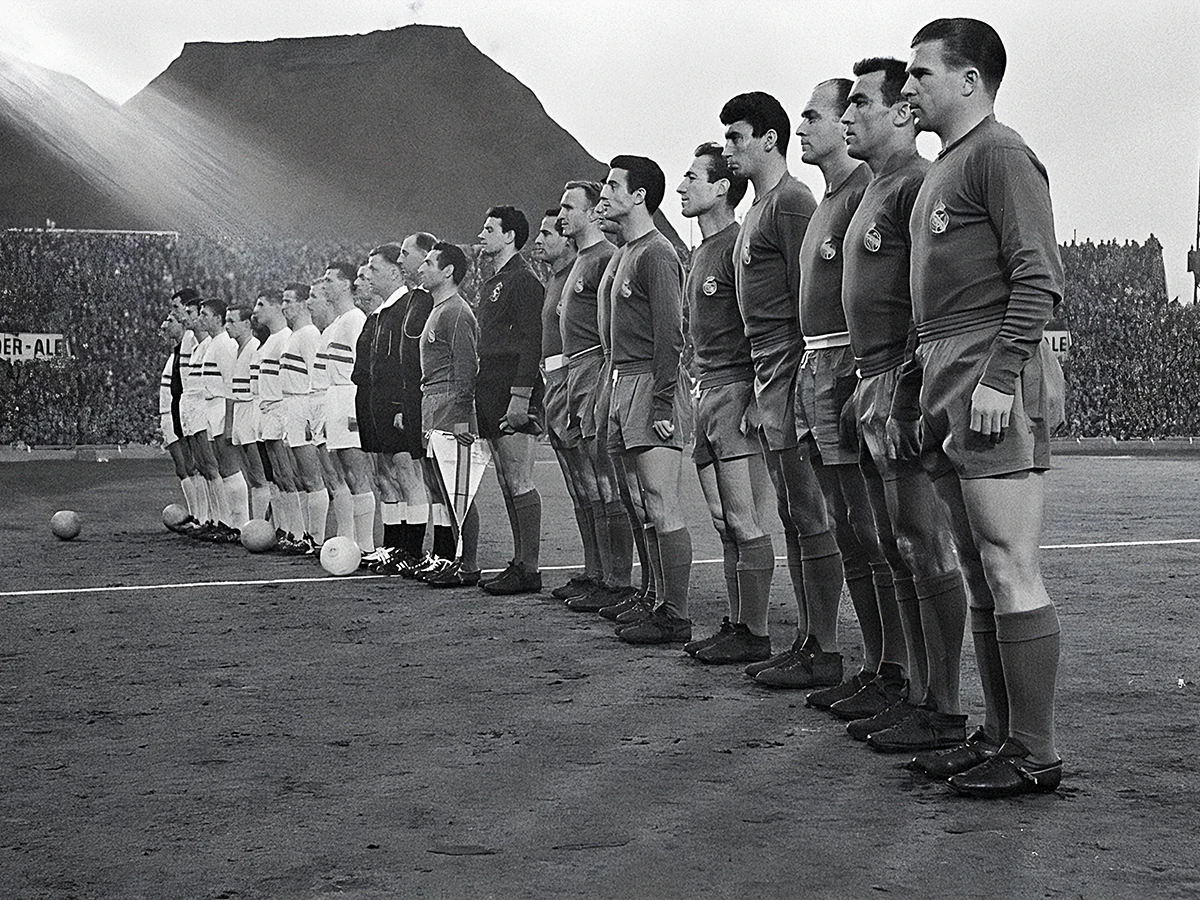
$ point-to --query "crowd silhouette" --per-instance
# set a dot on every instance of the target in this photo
(1133, 353)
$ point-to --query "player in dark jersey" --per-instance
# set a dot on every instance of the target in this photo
(986, 277)
(768, 284)
(557, 251)
(508, 395)
(727, 453)
(587, 383)
(911, 521)
(824, 385)
(643, 422)
(449, 372)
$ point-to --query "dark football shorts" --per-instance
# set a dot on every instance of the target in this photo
(439, 411)
(493, 391)
(775, 392)
(554, 406)
(824, 384)
(872, 406)
(952, 367)
(631, 415)
(586, 376)
(722, 429)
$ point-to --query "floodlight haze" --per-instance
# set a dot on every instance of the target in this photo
(1106, 93)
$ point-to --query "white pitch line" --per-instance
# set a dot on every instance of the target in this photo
(129, 588)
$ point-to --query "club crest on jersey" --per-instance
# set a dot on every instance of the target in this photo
(710, 285)
(496, 292)
(626, 290)
(579, 285)
(432, 338)
(872, 240)
(828, 249)
(939, 219)
(746, 255)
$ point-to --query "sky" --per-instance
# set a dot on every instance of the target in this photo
(1107, 94)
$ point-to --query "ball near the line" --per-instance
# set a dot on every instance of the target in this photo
(174, 515)
(258, 535)
(340, 556)
(66, 524)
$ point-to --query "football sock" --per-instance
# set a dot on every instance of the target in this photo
(316, 509)
(364, 521)
(391, 514)
(443, 542)
(620, 536)
(1030, 643)
(470, 539)
(991, 673)
(509, 507)
(527, 508)
(418, 521)
(795, 565)
(586, 522)
(260, 499)
(860, 584)
(887, 586)
(238, 494)
(189, 497)
(756, 566)
(729, 562)
(343, 512)
(675, 556)
(822, 563)
(654, 552)
(216, 500)
(943, 613)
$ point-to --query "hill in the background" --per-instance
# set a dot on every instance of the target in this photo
(360, 137)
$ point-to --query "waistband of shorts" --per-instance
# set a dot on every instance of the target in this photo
(579, 358)
(827, 341)
(633, 367)
(775, 338)
(705, 380)
(958, 323)
(879, 362)
(554, 363)
(442, 387)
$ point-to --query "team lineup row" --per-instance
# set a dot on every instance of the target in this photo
(873, 362)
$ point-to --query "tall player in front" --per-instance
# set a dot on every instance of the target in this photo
(986, 277)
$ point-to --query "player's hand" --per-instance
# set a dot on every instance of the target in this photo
(751, 420)
(517, 415)
(990, 411)
(462, 434)
(398, 421)
(903, 438)
(664, 428)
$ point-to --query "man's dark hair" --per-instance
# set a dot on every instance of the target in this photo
(511, 220)
(186, 296)
(894, 75)
(389, 251)
(216, 306)
(718, 168)
(642, 174)
(841, 92)
(243, 310)
(763, 113)
(346, 271)
(300, 290)
(424, 240)
(591, 190)
(452, 255)
(271, 295)
(968, 42)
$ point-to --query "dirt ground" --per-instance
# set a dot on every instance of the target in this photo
(372, 738)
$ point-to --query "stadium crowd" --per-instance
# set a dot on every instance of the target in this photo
(1132, 357)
